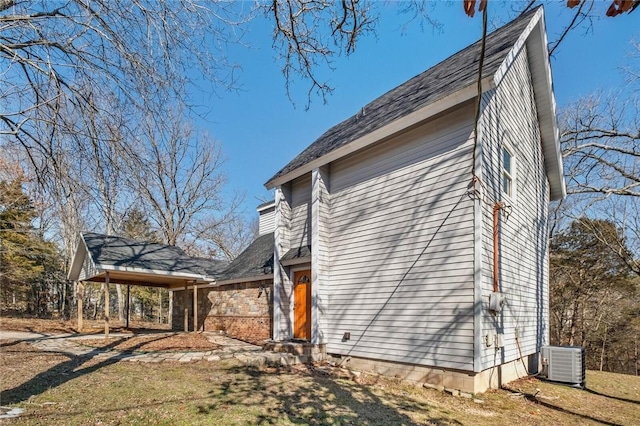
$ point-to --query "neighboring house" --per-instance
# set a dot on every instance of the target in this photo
(385, 244)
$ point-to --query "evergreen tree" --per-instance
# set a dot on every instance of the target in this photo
(594, 298)
(30, 267)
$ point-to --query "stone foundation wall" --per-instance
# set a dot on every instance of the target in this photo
(461, 381)
(250, 329)
(243, 311)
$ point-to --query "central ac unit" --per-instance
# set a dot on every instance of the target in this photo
(566, 364)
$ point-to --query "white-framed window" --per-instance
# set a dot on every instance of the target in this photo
(508, 172)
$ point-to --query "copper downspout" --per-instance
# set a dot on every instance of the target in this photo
(496, 245)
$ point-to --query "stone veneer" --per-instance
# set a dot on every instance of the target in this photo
(243, 310)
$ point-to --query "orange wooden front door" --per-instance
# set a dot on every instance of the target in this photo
(302, 305)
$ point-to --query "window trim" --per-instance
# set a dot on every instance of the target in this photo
(508, 174)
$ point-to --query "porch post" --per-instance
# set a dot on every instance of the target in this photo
(195, 307)
(128, 302)
(185, 303)
(170, 320)
(106, 305)
(79, 295)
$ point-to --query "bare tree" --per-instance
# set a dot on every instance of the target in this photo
(310, 33)
(59, 57)
(601, 145)
(601, 149)
(226, 237)
(179, 177)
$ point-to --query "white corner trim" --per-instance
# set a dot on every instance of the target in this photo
(478, 205)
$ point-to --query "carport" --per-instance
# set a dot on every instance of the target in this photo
(110, 259)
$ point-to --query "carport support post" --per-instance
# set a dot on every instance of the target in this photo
(128, 303)
(106, 305)
(185, 303)
(195, 307)
(79, 295)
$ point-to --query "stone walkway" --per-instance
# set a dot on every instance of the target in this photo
(244, 352)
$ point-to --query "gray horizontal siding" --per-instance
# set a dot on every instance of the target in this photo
(300, 212)
(388, 203)
(510, 117)
(267, 222)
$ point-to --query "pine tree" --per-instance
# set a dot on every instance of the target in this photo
(28, 263)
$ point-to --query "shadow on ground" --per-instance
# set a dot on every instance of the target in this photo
(314, 398)
(76, 366)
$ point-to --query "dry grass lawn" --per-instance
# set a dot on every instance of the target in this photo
(60, 389)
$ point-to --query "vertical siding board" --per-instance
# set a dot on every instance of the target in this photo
(300, 212)
(510, 117)
(319, 254)
(477, 251)
(387, 203)
(281, 284)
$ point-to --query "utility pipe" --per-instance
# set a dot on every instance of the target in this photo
(496, 245)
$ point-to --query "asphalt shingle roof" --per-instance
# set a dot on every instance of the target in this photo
(254, 261)
(128, 253)
(297, 253)
(447, 77)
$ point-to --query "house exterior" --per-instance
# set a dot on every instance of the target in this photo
(384, 227)
(239, 300)
(397, 242)
(205, 294)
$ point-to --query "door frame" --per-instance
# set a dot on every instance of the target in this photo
(292, 271)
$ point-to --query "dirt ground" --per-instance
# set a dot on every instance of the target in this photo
(41, 325)
(58, 388)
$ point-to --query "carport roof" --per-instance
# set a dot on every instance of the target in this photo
(139, 262)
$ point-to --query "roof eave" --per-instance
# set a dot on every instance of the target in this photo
(386, 131)
(185, 275)
(78, 259)
(535, 38)
(244, 279)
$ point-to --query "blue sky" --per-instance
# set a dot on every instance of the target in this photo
(261, 130)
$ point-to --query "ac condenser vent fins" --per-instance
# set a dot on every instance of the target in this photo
(565, 364)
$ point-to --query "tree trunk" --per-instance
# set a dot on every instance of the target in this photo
(121, 303)
(574, 320)
(97, 305)
(604, 340)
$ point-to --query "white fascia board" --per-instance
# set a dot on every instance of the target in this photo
(543, 89)
(271, 205)
(81, 252)
(105, 268)
(207, 284)
(549, 129)
(296, 261)
(515, 49)
(390, 129)
(244, 280)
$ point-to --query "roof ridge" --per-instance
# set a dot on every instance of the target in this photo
(451, 74)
